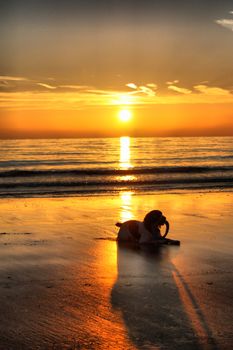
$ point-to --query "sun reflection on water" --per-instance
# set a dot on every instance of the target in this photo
(125, 153)
(126, 178)
(126, 206)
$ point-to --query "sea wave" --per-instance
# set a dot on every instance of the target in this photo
(61, 167)
(115, 172)
(63, 188)
(203, 180)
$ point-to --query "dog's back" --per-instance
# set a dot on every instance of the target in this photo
(133, 231)
(129, 231)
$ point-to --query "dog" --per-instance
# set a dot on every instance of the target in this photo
(143, 232)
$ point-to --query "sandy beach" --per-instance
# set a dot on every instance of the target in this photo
(65, 284)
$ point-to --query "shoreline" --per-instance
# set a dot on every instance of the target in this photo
(103, 193)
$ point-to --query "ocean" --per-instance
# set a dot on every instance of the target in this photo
(70, 167)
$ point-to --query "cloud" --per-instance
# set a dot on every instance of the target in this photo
(212, 91)
(131, 85)
(179, 89)
(152, 85)
(100, 92)
(47, 86)
(204, 82)
(172, 82)
(3, 83)
(16, 84)
(147, 89)
(10, 83)
(54, 98)
(10, 78)
(226, 22)
(75, 87)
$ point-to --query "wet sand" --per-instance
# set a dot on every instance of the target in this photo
(65, 284)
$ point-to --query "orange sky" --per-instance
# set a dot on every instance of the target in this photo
(160, 120)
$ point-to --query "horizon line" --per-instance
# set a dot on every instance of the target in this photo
(108, 137)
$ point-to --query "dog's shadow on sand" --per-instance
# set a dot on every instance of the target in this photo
(148, 294)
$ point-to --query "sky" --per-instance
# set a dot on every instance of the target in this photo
(69, 67)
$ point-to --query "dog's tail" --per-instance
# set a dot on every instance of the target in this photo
(118, 224)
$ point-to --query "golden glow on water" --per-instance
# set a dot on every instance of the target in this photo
(126, 212)
(126, 178)
(125, 152)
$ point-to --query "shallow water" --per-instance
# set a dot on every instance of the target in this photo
(89, 166)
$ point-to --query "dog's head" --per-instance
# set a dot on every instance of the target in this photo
(154, 220)
(155, 217)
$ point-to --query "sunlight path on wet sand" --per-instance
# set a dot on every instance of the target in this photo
(65, 283)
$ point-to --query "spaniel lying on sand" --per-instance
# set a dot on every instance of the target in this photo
(143, 232)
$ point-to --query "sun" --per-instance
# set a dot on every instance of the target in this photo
(125, 115)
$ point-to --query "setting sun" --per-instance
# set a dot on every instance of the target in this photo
(125, 115)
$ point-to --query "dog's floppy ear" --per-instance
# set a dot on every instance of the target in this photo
(151, 218)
